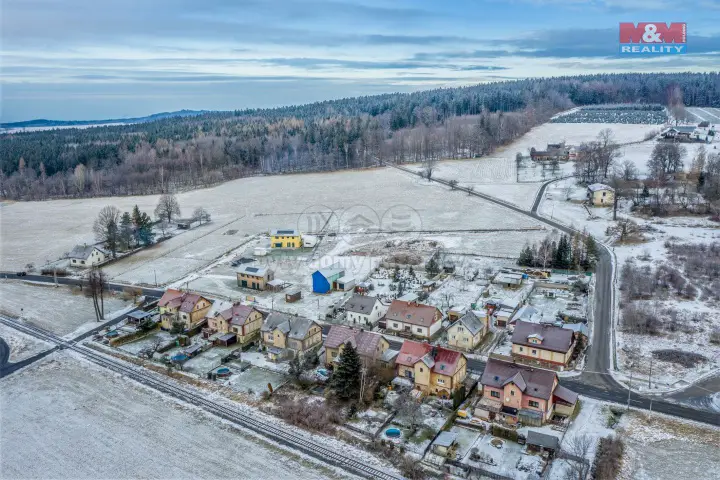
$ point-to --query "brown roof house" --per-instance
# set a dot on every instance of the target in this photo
(186, 307)
(513, 392)
(468, 331)
(543, 343)
(433, 370)
(289, 335)
(370, 346)
(236, 323)
(413, 318)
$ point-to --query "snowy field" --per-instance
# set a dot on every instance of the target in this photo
(57, 309)
(22, 346)
(497, 175)
(712, 115)
(98, 425)
(383, 197)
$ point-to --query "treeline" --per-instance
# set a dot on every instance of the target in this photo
(202, 150)
(576, 252)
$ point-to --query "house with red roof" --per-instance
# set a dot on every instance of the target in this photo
(413, 318)
(186, 307)
(433, 370)
(237, 323)
(512, 392)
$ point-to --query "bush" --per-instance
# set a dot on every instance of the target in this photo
(503, 432)
(715, 336)
(411, 469)
(607, 458)
(313, 416)
(686, 359)
(640, 319)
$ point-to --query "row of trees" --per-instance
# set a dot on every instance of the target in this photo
(123, 231)
(576, 252)
(202, 150)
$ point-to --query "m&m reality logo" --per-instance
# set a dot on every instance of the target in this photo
(653, 38)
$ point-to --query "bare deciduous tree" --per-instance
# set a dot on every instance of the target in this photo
(107, 227)
(97, 285)
(167, 207)
(578, 450)
(201, 215)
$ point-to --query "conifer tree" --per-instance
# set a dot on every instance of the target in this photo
(345, 381)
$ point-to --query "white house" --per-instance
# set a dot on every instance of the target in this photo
(600, 194)
(87, 255)
(414, 318)
(364, 310)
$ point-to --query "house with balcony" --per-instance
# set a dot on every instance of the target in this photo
(433, 370)
(515, 393)
(237, 323)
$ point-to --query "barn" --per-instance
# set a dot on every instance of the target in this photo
(324, 279)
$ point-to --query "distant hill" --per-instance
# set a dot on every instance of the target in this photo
(41, 122)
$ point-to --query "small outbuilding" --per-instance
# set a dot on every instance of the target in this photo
(293, 295)
(445, 444)
(542, 442)
(345, 284)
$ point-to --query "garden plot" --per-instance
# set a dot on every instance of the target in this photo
(466, 439)
(208, 360)
(21, 345)
(99, 425)
(57, 309)
(254, 380)
(503, 457)
(139, 345)
(369, 421)
(246, 206)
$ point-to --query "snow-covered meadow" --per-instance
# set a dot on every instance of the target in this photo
(95, 424)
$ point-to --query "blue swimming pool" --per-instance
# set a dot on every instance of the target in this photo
(392, 432)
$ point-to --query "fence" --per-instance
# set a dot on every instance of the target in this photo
(477, 470)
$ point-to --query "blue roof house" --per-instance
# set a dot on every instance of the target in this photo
(324, 279)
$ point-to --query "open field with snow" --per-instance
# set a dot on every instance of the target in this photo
(712, 115)
(21, 345)
(59, 310)
(95, 424)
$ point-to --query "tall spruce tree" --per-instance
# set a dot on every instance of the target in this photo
(145, 232)
(345, 381)
(526, 258)
(126, 236)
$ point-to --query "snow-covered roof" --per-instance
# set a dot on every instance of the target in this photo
(82, 252)
(446, 439)
(598, 187)
(284, 232)
(346, 279)
(253, 271)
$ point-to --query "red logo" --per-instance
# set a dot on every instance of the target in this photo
(653, 32)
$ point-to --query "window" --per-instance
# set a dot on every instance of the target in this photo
(419, 330)
(333, 354)
(495, 394)
(512, 393)
(441, 381)
(534, 404)
(521, 349)
(421, 370)
(534, 352)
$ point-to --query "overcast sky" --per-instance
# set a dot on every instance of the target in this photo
(91, 59)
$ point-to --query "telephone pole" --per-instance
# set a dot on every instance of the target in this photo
(629, 389)
(650, 374)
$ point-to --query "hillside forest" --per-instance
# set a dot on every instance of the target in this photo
(179, 153)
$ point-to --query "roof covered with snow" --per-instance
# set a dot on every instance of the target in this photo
(598, 187)
(83, 252)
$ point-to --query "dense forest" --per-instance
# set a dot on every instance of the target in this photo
(188, 152)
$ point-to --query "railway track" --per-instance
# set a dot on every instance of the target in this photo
(266, 429)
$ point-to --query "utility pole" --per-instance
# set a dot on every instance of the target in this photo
(362, 382)
(155, 272)
(650, 375)
(629, 389)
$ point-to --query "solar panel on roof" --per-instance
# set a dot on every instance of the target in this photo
(251, 269)
(285, 232)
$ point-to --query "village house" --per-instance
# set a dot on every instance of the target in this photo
(544, 343)
(513, 392)
(87, 255)
(413, 318)
(285, 239)
(468, 331)
(600, 194)
(325, 280)
(370, 346)
(186, 307)
(509, 280)
(241, 322)
(433, 370)
(364, 310)
(289, 335)
(554, 152)
(256, 278)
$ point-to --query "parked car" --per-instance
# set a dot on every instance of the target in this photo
(21, 274)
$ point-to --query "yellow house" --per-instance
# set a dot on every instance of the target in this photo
(433, 370)
(186, 307)
(288, 335)
(242, 320)
(370, 346)
(467, 333)
(600, 194)
(285, 239)
(545, 344)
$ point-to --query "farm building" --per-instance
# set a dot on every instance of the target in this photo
(325, 279)
(345, 283)
(287, 238)
(509, 280)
